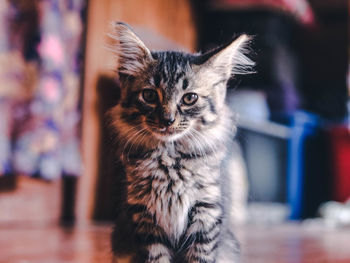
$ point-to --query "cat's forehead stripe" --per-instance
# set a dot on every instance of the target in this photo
(156, 80)
(171, 68)
(185, 84)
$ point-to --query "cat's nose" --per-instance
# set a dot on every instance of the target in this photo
(168, 121)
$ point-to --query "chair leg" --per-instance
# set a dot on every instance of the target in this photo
(69, 189)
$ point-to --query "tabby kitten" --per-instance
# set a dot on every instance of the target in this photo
(174, 131)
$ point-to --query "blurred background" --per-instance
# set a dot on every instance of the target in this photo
(58, 172)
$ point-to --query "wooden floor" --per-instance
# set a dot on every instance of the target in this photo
(31, 235)
(287, 243)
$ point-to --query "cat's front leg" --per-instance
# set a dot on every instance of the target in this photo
(204, 232)
(152, 244)
(158, 253)
(153, 253)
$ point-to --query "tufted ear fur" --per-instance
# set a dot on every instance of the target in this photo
(229, 59)
(132, 54)
(217, 66)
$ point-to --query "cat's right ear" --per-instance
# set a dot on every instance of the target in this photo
(132, 54)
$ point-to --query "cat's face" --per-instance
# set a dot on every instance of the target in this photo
(171, 95)
(170, 98)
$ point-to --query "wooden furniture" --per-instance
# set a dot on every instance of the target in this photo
(163, 24)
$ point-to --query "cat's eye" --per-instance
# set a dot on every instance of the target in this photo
(149, 95)
(189, 99)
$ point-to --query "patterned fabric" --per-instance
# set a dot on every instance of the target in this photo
(39, 98)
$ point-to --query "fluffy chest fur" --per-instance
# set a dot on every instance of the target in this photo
(169, 183)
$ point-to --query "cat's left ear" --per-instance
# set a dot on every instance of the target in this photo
(228, 60)
(132, 54)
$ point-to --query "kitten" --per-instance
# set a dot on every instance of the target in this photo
(174, 132)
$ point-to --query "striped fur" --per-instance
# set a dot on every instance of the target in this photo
(173, 152)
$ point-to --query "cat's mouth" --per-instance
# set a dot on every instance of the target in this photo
(165, 130)
(166, 133)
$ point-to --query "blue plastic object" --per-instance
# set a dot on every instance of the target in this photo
(303, 126)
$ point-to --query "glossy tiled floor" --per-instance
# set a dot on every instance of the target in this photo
(29, 234)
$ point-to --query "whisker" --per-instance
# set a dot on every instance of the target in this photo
(135, 131)
(197, 144)
(139, 133)
(208, 142)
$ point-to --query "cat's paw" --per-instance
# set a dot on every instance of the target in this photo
(159, 260)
